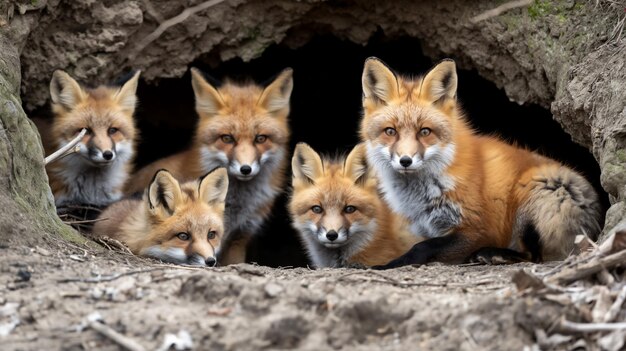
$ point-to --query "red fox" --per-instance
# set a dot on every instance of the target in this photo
(469, 194)
(245, 129)
(96, 174)
(182, 224)
(341, 219)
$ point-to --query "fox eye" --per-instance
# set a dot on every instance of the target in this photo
(260, 139)
(425, 132)
(227, 139)
(349, 209)
(317, 209)
(390, 131)
(113, 130)
(212, 234)
(183, 236)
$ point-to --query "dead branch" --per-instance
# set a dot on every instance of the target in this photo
(85, 221)
(108, 278)
(590, 327)
(68, 149)
(501, 9)
(571, 274)
(616, 307)
(118, 338)
(171, 22)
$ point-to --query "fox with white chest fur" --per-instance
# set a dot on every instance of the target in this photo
(473, 196)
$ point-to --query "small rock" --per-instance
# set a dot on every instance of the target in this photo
(42, 251)
(273, 289)
(23, 275)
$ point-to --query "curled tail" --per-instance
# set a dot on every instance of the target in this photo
(556, 205)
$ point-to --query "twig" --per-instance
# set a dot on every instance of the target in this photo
(85, 221)
(590, 327)
(120, 339)
(616, 307)
(171, 22)
(500, 9)
(68, 149)
(575, 273)
(108, 278)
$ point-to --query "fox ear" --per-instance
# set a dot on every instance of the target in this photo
(208, 99)
(355, 165)
(441, 82)
(164, 193)
(380, 84)
(126, 97)
(65, 91)
(214, 186)
(306, 164)
(275, 97)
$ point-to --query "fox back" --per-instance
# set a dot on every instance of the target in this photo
(182, 224)
(338, 213)
(95, 175)
(243, 128)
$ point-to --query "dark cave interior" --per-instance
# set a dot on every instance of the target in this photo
(325, 112)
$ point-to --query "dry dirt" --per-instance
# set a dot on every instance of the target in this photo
(48, 292)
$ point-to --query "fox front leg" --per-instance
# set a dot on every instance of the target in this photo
(451, 248)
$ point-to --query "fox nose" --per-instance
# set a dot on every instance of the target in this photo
(245, 169)
(211, 261)
(107, 155)
(332, 235)
(405, 161)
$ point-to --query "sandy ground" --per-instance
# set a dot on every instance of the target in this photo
(49, 294)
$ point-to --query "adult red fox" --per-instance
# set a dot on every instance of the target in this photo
(340, 217)
(97, 173)
(182, 224)
(468, 193)
(245, 129)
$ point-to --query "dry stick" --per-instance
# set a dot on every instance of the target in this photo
(500, 9)
(108, 278)
(171, 22)
(120, 339)
(86, 221)
(70, 148)
(590, 327)
(569, 275)
(616, 307)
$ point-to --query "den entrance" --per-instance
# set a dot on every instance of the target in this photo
(325, 112)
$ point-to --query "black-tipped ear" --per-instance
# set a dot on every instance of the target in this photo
(440, 83)
(306, 164)
(380, 84)
(275, 97)
(355, 165)
(65, 91)
(164, 193)
(208, 99)
(214, 186)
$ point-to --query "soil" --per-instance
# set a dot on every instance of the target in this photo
(50, 291)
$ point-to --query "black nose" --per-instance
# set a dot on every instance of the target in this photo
(405, 161)
(332, 235)
(108, 155)
(245, 169)
(210, 261)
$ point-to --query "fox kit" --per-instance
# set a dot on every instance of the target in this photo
(96, 174)
(464, 191)
(338, 213)
(182, 224)
(243, 128)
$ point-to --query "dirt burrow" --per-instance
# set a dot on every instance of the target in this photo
(248, 307)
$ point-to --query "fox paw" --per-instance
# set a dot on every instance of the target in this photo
(356, 266)
(496, 256)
